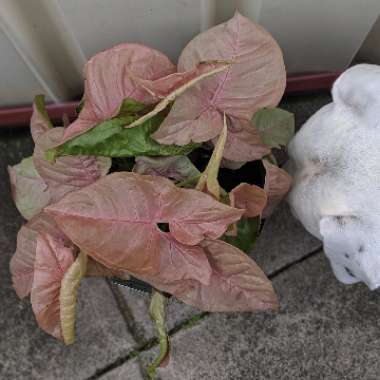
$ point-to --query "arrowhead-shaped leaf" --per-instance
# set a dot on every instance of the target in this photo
(115, 220)
(250, 198)
(175, 84)
(255, 79)
(236, 283)
(22, 262)
(243, 142)
(109, 80)
(189, 79)
(67, 173)
(277, 185)
(276, 126)
(179, 168)
(111, 139)
(29, 190)
(53, 258)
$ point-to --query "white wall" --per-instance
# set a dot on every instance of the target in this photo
(370, 50)
(44, 43)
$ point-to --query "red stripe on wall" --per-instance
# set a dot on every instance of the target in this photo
(295, 84)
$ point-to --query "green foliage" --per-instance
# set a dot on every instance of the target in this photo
(39, 103)
(247, 232)
(80, 106)
(130, 107)
(275, 125)
(157, 313)
(111, 139)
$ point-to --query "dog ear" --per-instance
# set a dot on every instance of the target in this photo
(358, 89)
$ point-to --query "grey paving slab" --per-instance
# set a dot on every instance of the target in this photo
(138, 304)
(283, 240)
(129, 371)
(324, 331)
(26, 352)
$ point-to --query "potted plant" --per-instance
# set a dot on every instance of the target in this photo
(163, 177)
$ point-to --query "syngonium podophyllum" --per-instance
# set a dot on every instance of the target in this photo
(43, 251)
(161, 219)
(255, 79)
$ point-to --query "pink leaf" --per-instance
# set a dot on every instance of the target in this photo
(255, 79)
(250, 198)
(67, 173)
(29, 191)
(22, 262)
(177, 91)
(109, 80)
(181, 126)
(277, 185)
(178, 168)
(243, 142)
(54, 257)
(236, 284)
(162, 87)
(116, 221)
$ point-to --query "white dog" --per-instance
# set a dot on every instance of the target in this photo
(335, 163)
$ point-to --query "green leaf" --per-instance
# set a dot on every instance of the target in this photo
(129, 107)
(29, 191)
(247, 232)
(157, 313)
(80, 106)
(189, 183)
(39, 103)
(275, 125)
(111, 139)
(177, 168)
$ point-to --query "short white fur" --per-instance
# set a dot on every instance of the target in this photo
(335, 163)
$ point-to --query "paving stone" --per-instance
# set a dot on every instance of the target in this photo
(26, 352)
(325, 330)
(138, 305)
(283, 240)
(128, 371)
